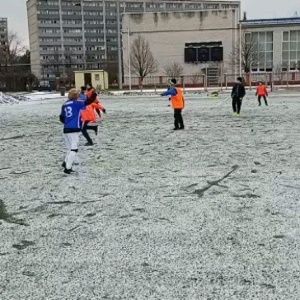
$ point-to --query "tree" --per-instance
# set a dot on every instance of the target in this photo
(247, 54)
(174, 70)
(13, 61)
(142, 61)
(196, 77)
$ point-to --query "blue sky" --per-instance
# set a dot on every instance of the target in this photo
(15, 11)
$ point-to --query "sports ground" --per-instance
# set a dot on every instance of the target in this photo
(209, 212)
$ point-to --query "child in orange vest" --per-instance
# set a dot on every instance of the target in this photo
(89, 115)
(261, 91)
(177, 102)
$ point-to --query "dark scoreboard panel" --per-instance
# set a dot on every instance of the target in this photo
(203, 53)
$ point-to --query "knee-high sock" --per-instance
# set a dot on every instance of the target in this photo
(70, 159)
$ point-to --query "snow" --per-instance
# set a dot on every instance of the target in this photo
(211, 212)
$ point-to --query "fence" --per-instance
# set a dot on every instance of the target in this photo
(222, 81)
(19, 78)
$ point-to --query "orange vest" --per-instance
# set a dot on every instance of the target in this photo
(89, 114)
(89, 93)
(262, 90)
(178, 100)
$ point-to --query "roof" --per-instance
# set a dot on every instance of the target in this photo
(89, 71)
(275, 22)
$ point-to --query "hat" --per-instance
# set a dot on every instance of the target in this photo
(240, 79)
(173, 81)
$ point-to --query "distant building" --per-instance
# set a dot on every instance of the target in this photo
(3, 42)
(3, 31)
(83, 34)
(199, 40)
(278, 43)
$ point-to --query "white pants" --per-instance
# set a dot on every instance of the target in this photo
(72, 142)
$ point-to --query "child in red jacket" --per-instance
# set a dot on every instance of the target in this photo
(89, 115)
(261, 91)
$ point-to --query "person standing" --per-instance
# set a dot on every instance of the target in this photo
(82, 95)
(177, 102)
(89, 90)
(262, 91)
(71, 118)
(237, 94)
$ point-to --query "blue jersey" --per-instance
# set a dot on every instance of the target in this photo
(83, 97)
(70, 114)
(170, 92)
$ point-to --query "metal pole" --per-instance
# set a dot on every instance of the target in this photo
(120, 77)
(128, 49)
(83, 36)
(240, 29)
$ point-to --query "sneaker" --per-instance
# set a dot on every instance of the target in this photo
(68, 171)
(64, 164)
(234, 114)
(89, 144)
(176, 128)
(237, 115)
(181, 128)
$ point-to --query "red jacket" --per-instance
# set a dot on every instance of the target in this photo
(261, 90)
(89, 113)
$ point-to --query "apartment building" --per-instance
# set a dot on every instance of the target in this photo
(3, 31)
(83, 34)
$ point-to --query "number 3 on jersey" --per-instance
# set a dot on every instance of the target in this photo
(68, 111)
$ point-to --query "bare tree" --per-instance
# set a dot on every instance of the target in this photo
(141, 58)
(174, 70)
(10, 53)
(247, 54)
(195, 78)
(278, 74)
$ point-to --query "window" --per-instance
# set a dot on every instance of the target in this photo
(97, 77)
(260, 45)
(290, 50)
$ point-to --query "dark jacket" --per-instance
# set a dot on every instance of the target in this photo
(238, 91)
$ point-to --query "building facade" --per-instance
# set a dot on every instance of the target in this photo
(83, 34)
(275, 42)
(3, 42)
(199, 41)
(3, 31)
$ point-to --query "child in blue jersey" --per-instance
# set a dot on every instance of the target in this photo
(82, 95)
(70, 117)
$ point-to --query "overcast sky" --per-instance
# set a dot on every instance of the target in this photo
(15, 11)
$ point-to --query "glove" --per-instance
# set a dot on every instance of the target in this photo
(104, 110)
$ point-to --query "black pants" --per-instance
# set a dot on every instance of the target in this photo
(84, 130)
(265, 98)
(236, 104)
(178, 121)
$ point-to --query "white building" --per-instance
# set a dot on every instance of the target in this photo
(198, 40)
(278, 43)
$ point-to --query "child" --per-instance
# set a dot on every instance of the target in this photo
(70, 117)
(88, 115)
(261, 91)
(82, 95)
(237, 95)
(177, 101)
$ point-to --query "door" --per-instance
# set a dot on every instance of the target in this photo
(87, 78)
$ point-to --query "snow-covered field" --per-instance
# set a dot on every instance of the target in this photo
(211, 212)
